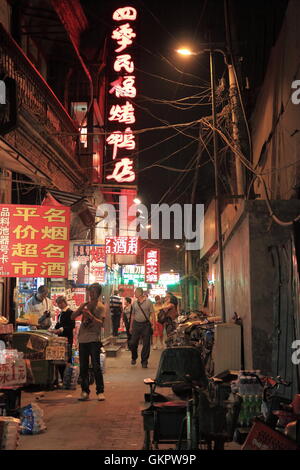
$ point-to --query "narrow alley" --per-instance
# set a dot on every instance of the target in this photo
(114, 424)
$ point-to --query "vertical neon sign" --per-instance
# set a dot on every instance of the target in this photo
(124, 90)
(152, 265)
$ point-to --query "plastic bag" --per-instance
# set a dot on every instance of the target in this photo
(70, 377)
(161, 317)
(32, 421)
(102, 361)
(45, 321)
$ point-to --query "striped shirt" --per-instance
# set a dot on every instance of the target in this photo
(115, 304)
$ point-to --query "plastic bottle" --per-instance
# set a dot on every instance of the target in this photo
(247, 410)
(252, 407)
(242, 417)
(247, 383)
(242, 381)
(258, 404)
(253, 384)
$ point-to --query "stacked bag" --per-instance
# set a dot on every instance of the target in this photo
(32, 419)
(70, 379)
(9, 433)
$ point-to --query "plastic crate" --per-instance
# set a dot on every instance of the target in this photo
(262, 437)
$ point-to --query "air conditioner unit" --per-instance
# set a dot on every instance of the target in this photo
(227, 347)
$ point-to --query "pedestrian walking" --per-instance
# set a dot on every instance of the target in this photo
(141, 327)
(168, 314)
(127, 312)
(115, 306)
(158, 333)
(89, 339)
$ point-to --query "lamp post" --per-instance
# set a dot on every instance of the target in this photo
(211, 51)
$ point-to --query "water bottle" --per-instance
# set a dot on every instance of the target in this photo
(252, 407)
(257, 405)
(252, 387)
(242, 384)
(247, 383)
(247, 410)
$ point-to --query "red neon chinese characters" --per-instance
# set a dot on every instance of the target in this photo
(125, 62)
(152, 265)
(123, 113)
(121, 245)
(123, 35)
(126, 13)
(123, 172)
(121, 140)
(124, 87)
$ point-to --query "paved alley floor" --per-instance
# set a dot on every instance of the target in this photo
(114, 424)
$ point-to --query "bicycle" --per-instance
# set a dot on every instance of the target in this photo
(207, 421)
(264, 430)
(271, 401)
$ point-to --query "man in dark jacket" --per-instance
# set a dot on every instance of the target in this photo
(64, 327)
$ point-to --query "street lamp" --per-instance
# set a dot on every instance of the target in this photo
(185, 51)
(216, 163)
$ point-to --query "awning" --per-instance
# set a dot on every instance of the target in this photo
(79, 204)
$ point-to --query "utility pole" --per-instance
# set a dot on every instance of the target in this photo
(235, 106)
(217, 193)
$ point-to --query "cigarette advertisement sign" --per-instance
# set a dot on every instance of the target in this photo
(34, 241)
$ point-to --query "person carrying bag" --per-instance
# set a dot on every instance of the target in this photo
(127, 314)
(141, 327)
(147, 320)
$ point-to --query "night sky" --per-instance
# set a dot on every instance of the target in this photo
(162, 74)
(173, 89)
(166, 80)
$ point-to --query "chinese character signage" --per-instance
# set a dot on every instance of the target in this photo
(88, 264)
(34, 241)
(121, 245)
(152, 265)
(56, 353)
(13, 374)
(120, 140)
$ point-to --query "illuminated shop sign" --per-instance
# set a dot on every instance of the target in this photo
(121, 245)
(88, 264)
(121, 112)
(138, 269)
(152, 265)
(168, 279)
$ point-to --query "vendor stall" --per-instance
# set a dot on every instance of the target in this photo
(44, 350)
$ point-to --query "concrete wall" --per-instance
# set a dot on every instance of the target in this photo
(270, 289)
(237, 283)
(252, 283)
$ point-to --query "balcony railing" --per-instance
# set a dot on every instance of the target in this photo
(35, 96)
